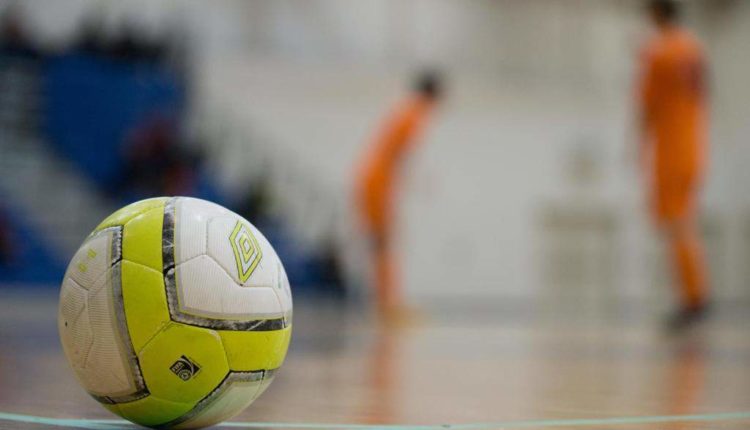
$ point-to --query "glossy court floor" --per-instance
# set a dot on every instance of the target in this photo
(467, 367)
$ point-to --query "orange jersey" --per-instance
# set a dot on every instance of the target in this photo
(378, 173)
(673, 105)
(673, 102)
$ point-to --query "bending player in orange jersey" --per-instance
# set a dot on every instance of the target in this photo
(377, 183)
(674, 126)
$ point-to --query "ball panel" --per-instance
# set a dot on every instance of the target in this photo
(242, 251)
(145, 302)
(206, 290)
(152, 411)
(283, 291)
(107, 370)
(73, 323)
(233, 399)
(123, 215)
(142, 238)
(192, 216)
(260, 350)
(91, 260)
(266, 382)
(183, 363)
(204, 207)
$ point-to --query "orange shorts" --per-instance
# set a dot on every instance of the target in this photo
(674, 196)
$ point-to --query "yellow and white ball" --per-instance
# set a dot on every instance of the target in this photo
(175, 312)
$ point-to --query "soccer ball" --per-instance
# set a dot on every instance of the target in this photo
(175, 312)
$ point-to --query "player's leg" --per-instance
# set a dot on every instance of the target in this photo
(386, 288)
(679, 223)
(688, 260)
(375, 217)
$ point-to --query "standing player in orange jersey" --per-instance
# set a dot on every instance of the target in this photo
(674, 149)
(378, 182)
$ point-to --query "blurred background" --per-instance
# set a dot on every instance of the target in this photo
(525, 185)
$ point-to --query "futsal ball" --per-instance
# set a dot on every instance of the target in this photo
(175, 312)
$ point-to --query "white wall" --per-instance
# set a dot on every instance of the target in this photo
(529, 81)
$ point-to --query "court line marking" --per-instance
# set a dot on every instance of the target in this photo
(102, 424)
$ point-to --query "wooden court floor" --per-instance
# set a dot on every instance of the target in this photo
(463, 370)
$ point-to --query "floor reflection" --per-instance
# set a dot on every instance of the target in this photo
(686, 377)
